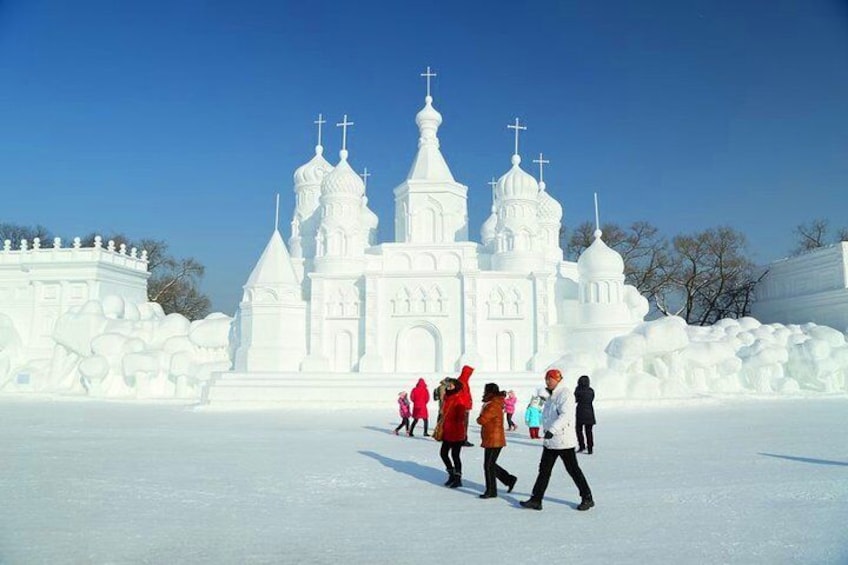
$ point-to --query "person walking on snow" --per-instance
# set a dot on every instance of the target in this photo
(533, 416)
(584, 395)
(403, 410)
(465, 379)
(558, 422)
(455, 407)
(420, 396)
(509, 408)
(491, 420)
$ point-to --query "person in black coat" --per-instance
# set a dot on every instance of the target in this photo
(584, 395)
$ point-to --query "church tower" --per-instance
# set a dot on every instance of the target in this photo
(516, 235)
(307, 190)
(430, 206)
(341, 239)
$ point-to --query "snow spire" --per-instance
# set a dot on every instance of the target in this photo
(598, 232)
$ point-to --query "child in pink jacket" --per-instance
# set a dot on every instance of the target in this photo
(509, 408)
(405, 413)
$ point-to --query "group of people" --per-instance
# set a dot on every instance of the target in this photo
(564, 427)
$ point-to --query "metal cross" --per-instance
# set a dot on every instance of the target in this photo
(343, 124)
(542, 162)
(517, 128)
(365, 174)
(428, 75)
(493, 183)
(320, 121)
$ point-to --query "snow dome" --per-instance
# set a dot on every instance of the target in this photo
(599, 259)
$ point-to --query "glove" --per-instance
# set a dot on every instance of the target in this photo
(549, 435)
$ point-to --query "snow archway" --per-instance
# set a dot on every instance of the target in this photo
(419, 349)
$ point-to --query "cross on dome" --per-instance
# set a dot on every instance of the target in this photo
(343, 124)
(517, 129)
(428, 75)
(320, 121)
(542, 162)
(365, 174)
(493, 183)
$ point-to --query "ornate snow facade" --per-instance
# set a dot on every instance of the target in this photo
(38, 284)
(430, 300)
(812, 287)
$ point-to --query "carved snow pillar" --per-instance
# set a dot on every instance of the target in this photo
(316, 361)
(372, 360)
(542, 288)
(469, 321)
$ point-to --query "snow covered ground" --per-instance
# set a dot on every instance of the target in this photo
(711, 481)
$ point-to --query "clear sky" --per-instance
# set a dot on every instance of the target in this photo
(180, 120)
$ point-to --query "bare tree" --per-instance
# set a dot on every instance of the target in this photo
(15, 233)
(712, 277)
(811, 235)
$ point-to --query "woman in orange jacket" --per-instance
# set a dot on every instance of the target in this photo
(491, 422)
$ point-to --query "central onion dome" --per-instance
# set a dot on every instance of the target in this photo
(517, 183)
(313, 171)
(600, 260)
(428, 120)
(343, 180)
(550, 211)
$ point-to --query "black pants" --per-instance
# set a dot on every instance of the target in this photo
(492, 471)
(404, 424)
(590, 439)
(415, 421)
(454, 447)
(546, 465)
(509, 420)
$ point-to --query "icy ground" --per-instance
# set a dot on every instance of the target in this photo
(716, 481)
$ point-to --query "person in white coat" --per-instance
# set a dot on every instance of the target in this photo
(560, 441)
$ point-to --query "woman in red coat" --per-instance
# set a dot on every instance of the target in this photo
(455, 409)
(420, 396)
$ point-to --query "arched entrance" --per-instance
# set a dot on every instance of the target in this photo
(419, 349)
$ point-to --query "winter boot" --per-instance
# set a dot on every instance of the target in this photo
(589, 451)
(532, 504)
(450, 476)
(586, 503)
(457, 481)
(510, 483)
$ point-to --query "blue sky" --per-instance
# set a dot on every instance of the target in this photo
(180, 120)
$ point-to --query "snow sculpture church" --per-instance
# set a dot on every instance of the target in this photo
(431, 300)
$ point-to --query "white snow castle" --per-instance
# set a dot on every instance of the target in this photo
(337, 301)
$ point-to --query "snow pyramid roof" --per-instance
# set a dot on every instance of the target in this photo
(600, 260)
(429, 164)
(274, 267)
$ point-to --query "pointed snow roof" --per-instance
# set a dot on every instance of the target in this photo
(274, 267)
(429, 164)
